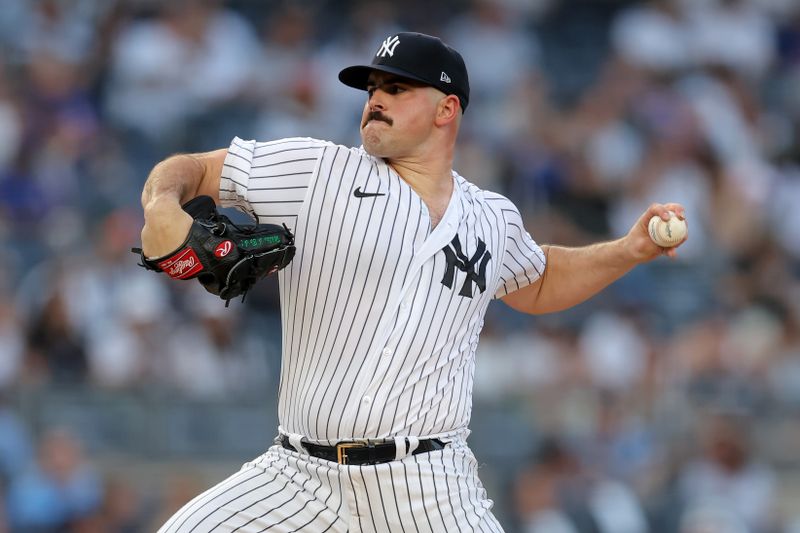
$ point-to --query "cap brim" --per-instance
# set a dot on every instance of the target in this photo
(357, 76)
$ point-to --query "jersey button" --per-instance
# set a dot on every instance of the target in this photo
(367, 400)
(387, 352)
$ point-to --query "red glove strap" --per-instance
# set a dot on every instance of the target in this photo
(183, 264)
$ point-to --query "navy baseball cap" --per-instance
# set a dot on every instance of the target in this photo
(419, 57)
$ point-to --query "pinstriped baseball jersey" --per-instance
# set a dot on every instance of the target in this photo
(381, 313)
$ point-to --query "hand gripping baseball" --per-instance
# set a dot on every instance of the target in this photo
(227, 259)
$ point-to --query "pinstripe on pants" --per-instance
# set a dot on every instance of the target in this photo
(285, 491)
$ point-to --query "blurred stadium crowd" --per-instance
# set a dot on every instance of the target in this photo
(670, 403)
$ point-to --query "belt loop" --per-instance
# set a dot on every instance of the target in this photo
(296, 441)
(404, 446)
(413, 443)
(400, 448)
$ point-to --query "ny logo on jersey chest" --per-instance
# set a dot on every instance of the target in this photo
(457, 260)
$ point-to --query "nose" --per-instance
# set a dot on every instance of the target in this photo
(376, 102)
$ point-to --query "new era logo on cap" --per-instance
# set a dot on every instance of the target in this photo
(419, 57)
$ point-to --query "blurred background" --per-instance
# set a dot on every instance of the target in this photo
(669, 403)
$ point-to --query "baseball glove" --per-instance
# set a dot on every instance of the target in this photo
(226, 258)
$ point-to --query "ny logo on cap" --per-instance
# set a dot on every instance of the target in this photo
(388, 46)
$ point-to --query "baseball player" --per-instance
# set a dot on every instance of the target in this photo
(397, 258)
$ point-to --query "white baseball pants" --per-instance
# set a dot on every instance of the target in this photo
(284, 491)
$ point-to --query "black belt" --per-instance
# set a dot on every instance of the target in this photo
(361, 453)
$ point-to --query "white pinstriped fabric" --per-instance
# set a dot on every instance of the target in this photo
(381, 316)
(374, 344)
(283, 491)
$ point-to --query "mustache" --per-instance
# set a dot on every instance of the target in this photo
(377, 115)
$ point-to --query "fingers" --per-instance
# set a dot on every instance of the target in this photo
(672, 253)
(663, 210)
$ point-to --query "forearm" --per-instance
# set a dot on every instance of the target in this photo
(170, 184)
(174, 180)
(573, 275)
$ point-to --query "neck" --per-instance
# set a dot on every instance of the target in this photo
(433, 185)
(428, 169)
(430, 172)
(423, 179)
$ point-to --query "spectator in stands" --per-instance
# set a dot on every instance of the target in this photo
(548, 493)
(56, 349)
(728, 478)
(192, 56)
(214, 355)
(60, 488)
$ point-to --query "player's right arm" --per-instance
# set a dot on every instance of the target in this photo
(171, 183)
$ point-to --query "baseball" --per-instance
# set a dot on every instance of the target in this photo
(667, 233)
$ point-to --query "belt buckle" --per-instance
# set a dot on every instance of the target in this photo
(341, 453)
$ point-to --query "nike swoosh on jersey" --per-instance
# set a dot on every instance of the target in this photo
(358, 193)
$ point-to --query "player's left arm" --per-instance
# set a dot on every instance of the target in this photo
(573, 275)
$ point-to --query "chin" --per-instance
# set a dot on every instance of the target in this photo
(373, 151)
(373, 146)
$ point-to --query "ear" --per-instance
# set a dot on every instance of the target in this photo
(447, 110)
